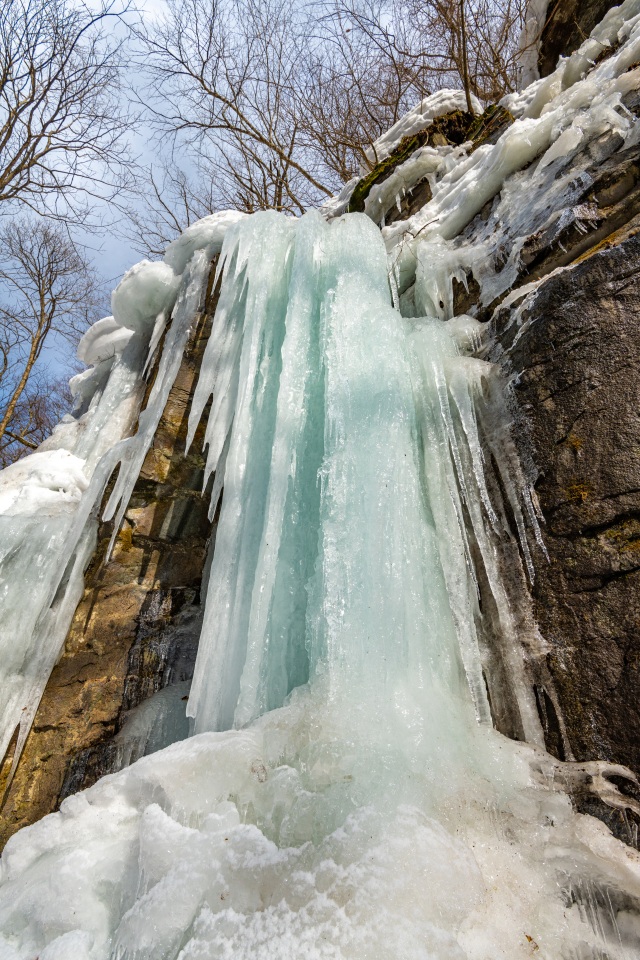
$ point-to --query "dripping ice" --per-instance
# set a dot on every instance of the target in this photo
(356, 801)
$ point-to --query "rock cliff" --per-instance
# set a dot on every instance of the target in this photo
(135, 632)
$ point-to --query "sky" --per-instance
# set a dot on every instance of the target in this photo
(109, 250)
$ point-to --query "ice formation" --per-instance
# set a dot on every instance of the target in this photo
(556, 118)
(49, 500)
(343, 794)
(436, 105)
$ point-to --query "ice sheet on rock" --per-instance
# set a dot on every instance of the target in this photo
(132, 450)
(564, 113)
(461, 413)
(241, 368)
(436, 105)
(427, 163)
(159, 720)
(48, 523)
(262, 635)
(253, 647)
(41, 583)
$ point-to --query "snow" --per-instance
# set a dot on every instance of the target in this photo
(424, 113)
(206, 234)
(104, 340)
(145, 291)
(41, 483)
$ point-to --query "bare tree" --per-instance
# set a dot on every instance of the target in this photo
(172, 200)
(279, 104)
(226, 72)
(47, 290)
(62, 125)
(361, 80)
(43, 403)
(481, 38)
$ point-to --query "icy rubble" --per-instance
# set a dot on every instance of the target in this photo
(256, 843)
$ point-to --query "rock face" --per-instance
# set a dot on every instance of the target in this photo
(578, 357)
(137, 627)
(568, 23)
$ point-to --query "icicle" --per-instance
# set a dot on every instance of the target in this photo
(131, 452)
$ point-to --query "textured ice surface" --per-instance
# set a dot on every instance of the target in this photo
(313, 834)
(104, 340)
(424, 113)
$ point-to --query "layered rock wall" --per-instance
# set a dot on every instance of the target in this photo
(137, 627)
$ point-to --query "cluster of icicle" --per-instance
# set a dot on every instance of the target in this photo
(49, 501)
(354, 807)
(356, 802)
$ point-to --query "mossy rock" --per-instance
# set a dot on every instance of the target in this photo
(450, 128)
(453, 128)
(490, 125)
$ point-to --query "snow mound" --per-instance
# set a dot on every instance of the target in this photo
(40, 482)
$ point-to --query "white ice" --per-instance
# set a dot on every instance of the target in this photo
(424, 113)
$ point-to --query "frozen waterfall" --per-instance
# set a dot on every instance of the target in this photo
(343, 794)
(357, 802)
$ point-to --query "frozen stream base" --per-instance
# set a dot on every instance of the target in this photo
(304, 837)
(363, 808)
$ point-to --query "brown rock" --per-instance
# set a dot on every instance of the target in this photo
(137, 626)
(578, 364)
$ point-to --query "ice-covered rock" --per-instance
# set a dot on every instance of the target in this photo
(436, 105)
